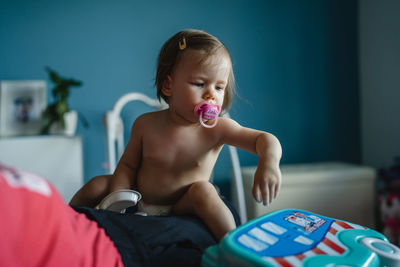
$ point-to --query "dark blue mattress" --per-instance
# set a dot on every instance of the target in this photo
(155, 241)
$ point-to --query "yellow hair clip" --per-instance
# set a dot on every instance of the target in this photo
(182, 44)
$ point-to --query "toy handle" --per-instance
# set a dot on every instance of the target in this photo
(389, 254)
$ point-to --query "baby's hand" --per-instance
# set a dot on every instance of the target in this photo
(267, 182)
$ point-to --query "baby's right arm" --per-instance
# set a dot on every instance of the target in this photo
(124, 176)
(267, 178)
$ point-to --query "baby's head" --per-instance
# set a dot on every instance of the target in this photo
(173, 50)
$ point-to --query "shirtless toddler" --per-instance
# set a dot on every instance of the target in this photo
(170, 155)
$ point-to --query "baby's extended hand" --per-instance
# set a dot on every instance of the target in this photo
(267, 182)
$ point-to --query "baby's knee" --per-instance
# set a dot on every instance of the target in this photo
(202, 192)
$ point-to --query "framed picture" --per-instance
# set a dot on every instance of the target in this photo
(21, 107)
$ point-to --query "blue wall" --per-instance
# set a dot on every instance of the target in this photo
(295, 64)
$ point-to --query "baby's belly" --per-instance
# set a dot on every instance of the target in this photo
(164, 190)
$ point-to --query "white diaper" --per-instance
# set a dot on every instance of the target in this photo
(154, 210)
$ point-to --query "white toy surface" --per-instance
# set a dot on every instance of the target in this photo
(120, 200)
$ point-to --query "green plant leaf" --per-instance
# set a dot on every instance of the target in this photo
(54, 113)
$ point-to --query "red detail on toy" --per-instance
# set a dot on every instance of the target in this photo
(344, 225)
(333, 245)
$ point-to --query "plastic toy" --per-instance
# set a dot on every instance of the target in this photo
(301, 238)
(120, 200)
(207, 111)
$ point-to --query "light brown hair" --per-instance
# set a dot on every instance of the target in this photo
(173, 49)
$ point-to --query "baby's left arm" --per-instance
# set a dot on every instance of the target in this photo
(267, 178)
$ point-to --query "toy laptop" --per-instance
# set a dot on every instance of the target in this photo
(301, 238)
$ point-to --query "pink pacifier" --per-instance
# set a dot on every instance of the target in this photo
(207, 111)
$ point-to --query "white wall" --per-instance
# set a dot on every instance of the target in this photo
(379, 24)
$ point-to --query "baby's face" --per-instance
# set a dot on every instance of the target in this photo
(196, 79)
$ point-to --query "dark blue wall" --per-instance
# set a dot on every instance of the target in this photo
(295, 64)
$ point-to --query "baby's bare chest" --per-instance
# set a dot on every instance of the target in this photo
(179, 149)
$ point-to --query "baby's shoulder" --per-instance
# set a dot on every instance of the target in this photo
(150, 116)
(224, 127)
(225, 122)
(148, 119)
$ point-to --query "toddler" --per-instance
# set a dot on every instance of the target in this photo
(171, 153)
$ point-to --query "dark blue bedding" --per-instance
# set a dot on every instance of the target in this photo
(153, 240)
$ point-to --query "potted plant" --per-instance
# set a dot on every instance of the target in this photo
(57, 117)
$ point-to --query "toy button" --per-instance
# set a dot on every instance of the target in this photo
(252, 243)
(263, 236)
(303, 240)
(273, 228)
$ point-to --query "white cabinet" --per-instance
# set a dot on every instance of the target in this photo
(333, 189)
(56, 158)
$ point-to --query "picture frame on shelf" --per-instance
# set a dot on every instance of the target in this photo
(21, 105)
